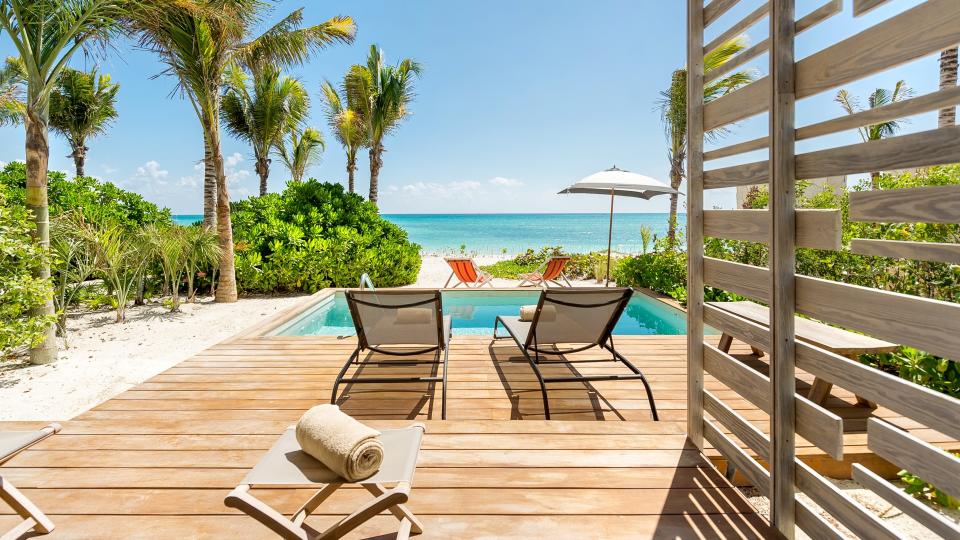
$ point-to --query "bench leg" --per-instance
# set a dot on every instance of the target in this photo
(819, 391)
(726, 340)
(756, 351)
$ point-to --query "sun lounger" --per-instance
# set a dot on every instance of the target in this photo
(400, 322)
(569, 321)
(467, 273)
(11, 444)
(549, 272)
(286, 465)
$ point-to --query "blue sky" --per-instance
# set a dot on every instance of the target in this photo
(517, 101)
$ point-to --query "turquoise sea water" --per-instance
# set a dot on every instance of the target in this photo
(474, 313)
(491, 234)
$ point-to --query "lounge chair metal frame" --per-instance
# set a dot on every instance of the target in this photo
(294, 528)
(529, 343)
(442, 349)
(33, 518)
(538, 277)
(483, 278)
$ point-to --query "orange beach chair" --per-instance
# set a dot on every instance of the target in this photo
(467, 272)
(550, 272)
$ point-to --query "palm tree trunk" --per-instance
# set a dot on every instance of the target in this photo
(376, 161)
(209, 186)
(676, 178)
(227, 285)
(875, 180)
(38, 155)
(948, 79)
(79, 156)
(351, 168)
(263, 171)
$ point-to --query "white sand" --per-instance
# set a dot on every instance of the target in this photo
(106, 358)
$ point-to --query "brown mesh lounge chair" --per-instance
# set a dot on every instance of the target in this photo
(569, 321)
(401, 322)
(286, 465)
(467, 273)
(550, 272)
(11, 444)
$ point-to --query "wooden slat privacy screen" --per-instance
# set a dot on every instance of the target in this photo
(929, 325)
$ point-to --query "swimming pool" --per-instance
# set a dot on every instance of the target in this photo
(475, 311)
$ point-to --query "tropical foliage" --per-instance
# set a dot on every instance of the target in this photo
(275, 106)
(300, 150)
(878, 98)
(22, 293)
(347, 125)
(46, 34)
(673, 112)
(581, 266)
(82, 105)
(382, 94)
(316, 235)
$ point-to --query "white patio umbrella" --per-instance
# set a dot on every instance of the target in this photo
(613, 182)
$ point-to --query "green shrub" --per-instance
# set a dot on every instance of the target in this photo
(96, 200)
(315, 235)
(581, 265)
(20, 291)
(924, 490)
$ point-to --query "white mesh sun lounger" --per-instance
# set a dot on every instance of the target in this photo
(11, 444)
(286, 465)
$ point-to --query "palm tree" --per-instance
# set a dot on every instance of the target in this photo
(277, 105)
(12, 82)
(383, 94)
(81, 106)
(305, 149)
(948, 79)
(347, 126)
(673, 113)
(200, 40)
(46, 34)
(879, 98)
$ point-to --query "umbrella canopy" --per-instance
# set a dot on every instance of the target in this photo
(622, 183)
(613, 182)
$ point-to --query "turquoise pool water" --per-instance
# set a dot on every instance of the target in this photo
(474, 313)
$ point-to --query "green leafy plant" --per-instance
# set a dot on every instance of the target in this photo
(202, 254)
(168, 246)
(316, 235)
(921, 489)
(21, 291)
(73, 264)
(120, 260)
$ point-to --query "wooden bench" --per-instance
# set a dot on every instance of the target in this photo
(835, 340)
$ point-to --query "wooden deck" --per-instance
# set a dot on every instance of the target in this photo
(156, 461)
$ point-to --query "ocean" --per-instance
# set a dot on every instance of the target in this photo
(496, 234)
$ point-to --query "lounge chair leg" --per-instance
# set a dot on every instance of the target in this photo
(364, 513)
(653, 406)
(336, 382)
(241, 499)
(443, 395)
(449, 279)
(399, 511)
(314, 502)
(25, 508)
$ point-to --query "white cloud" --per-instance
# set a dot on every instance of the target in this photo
(449, 190)
(108, 169)
(505, 182)
(151, 170)
(233, 159)
(194, 179)
(3, 164)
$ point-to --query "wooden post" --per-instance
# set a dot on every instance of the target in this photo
(782, 266)
(695, 222)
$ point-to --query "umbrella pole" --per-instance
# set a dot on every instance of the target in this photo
(606, 282)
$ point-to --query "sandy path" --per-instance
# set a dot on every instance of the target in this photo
(106, 358)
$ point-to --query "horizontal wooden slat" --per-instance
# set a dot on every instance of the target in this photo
(929, 407)
(933, 147)
(815, 17)
(742, 279)
(737, 424)
(748, 174)
(743, 329)
(896, 249)
(812, 523)
(883, 46)
(814, 423)
(716, 9)
(905, 503)
(935, 204)
(738, 28)
(859, 520)
(929, 325)
(819, 229)
(900, 109)
(925, 29)
(754, 472)
(924, 460)
(862, 7)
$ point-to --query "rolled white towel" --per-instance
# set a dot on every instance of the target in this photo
(344, 445)
(547, 314)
